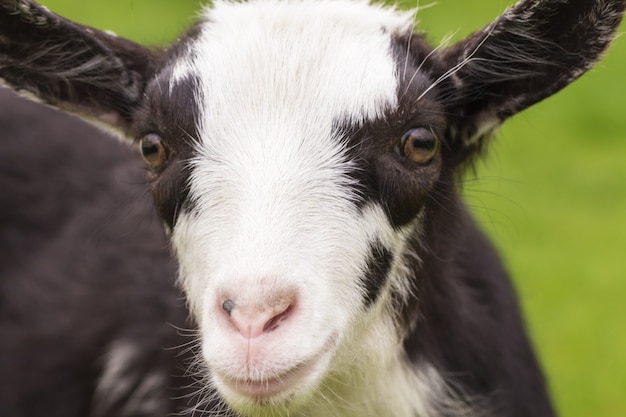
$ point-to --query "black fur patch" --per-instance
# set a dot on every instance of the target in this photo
(172, 113)
(171, 110)
(376, 274)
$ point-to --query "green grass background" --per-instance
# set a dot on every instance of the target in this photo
(551, 193)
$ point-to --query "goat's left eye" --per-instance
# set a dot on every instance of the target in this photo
(154, 151)
(420, 145)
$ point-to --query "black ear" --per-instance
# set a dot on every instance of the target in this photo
(78, 69)
(530, 52)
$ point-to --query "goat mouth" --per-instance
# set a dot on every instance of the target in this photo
(266, 388)
(278, 384)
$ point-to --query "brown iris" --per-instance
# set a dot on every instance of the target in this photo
(154, 151)
(420, 145)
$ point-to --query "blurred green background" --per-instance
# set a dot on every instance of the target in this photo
(551, 193)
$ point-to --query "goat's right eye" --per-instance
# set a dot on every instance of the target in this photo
(154, 151)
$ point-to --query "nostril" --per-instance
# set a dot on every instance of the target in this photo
(275, 321)
(228, 306)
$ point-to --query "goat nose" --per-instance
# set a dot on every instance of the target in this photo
(253, 321)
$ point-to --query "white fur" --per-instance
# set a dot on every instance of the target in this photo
(275, 207)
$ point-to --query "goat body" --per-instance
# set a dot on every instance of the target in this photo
(303, 158)
(87, 290)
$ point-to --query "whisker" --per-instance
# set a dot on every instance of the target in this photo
(444, 42)
(452, 71)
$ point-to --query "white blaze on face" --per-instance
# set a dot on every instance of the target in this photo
(274, 231)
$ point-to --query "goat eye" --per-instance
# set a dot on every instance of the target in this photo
(154, 151)
(420, 145)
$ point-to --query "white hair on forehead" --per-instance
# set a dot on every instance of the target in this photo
(333, 57)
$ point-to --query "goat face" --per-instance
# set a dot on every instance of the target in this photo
(284, 251)
(299, 155)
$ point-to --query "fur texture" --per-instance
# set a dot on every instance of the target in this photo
(304, 157)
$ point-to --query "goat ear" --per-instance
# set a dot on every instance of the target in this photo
(529, 53)
(77, 69)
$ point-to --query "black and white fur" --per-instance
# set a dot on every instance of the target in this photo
(328, 274)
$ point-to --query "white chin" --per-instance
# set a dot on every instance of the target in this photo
(274, 389)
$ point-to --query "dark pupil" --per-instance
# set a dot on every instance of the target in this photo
(149, 150)
(423, 143)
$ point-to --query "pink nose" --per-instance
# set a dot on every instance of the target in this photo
(253, 321)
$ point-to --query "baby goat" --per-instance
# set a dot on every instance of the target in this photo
(303, 157)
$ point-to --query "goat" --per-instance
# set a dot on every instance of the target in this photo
(303, 157)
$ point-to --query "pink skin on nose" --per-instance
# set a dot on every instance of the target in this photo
(252, 321)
